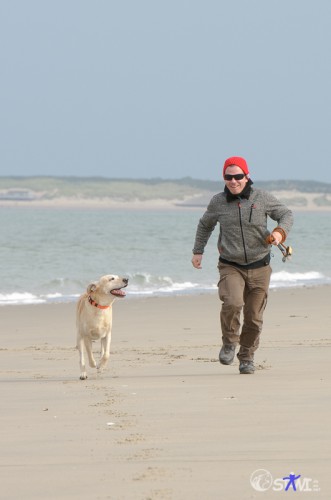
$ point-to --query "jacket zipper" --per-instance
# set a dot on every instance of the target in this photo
(251, 212)
(242, 230)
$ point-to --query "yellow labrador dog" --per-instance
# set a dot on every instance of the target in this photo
(94, 319)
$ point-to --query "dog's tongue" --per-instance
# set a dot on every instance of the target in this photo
(119, 293)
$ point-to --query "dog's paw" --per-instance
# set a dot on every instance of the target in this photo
(83, 376)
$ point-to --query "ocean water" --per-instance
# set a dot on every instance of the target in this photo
(50, 255)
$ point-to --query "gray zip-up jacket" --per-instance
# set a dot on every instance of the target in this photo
(243, 225)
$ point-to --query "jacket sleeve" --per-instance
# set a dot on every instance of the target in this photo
(205, 227)
(280, 213)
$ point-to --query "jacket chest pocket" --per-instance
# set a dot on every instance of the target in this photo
(254, 216)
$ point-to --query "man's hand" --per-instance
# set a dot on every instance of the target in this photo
(196, 260)
(277, 238)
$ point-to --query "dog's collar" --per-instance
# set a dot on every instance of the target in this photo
(93, 303)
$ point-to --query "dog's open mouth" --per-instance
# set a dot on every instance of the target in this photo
(118, 292)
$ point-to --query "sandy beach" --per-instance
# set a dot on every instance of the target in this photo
(165, 420)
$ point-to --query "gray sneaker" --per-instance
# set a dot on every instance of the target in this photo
(226, 354)
(246, 367)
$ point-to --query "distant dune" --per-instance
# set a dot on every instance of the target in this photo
(146, 193)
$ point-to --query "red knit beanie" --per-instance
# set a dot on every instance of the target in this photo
(236, 160)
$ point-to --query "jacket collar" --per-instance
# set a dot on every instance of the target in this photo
(245, 193)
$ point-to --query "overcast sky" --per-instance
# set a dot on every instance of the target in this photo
(165, 88)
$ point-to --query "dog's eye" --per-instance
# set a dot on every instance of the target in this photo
(111, 279)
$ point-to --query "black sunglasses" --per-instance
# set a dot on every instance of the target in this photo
(237, 177)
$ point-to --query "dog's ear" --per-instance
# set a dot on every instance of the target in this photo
(91, 288)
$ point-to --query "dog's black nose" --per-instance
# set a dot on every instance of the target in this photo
(125, 280)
